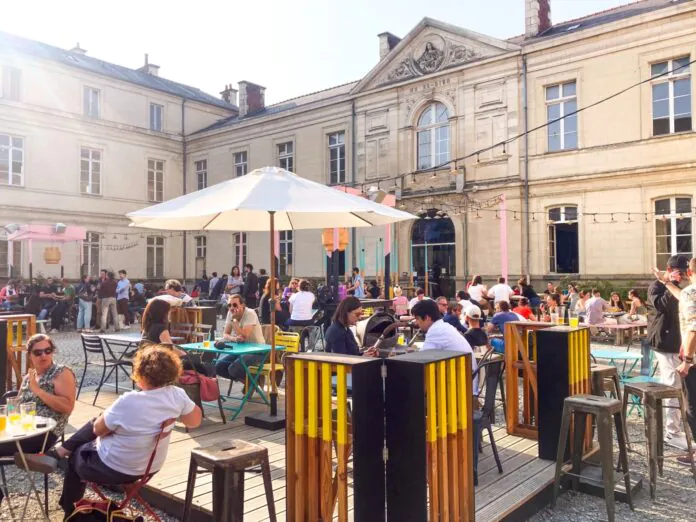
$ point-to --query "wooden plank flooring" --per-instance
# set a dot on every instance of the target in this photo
(497, 496)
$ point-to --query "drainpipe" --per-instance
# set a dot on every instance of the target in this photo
(525, 110)
(184, 171)
(466, 236)
(353, 179)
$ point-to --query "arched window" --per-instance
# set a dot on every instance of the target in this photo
(673, 228)
(433, 136)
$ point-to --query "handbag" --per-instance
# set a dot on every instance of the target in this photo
(210, 392)
(100, 511)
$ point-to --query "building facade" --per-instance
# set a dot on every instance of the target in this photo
(478, 136)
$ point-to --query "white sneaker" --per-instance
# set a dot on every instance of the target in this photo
(676, 440)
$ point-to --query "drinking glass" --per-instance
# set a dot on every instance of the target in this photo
(554, 318)
(573, 319)
(561, 315)
(28, 413)
(13, 415)
(3, 418)
(206, 343)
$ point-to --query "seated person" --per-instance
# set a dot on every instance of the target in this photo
(420, 295)
(374, 290)
(438, 334)
(523, 309)
(339, 338)
(241, 326)
(615, 303)
(475, 335)
(400, 302)
(452, 313)
(115, 447)
(301, 306)
(595, 308)
(552, 306)
(174, 294)
(52, 387)
(49, 297)
(9, 297)
(502, 316)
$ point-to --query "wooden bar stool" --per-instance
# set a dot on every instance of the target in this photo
(651, 394)
(603, 409)
(228, 462)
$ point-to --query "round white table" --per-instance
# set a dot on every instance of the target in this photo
(46, 426)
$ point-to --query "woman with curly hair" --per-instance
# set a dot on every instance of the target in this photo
(115, 447)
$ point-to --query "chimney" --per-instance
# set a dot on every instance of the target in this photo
(78, 50)
(229, 94)
(251, 98)
(149, 68)
(387, 42)
(537, 17)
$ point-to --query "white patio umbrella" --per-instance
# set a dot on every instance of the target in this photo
(266, 199)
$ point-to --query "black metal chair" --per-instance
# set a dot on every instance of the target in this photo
(485, 417)
(92, 344)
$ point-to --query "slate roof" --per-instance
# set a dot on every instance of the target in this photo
(118, 72)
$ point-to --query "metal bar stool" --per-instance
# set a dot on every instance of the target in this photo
(603, 409)
(228, 461)
(652, 394)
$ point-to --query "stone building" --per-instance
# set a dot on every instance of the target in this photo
(465, 129)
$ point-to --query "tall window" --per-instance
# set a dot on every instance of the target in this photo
(285, 252)
(91, 250)
(91, 102)
(9, 88)
(10, 262)
(11, 160)
(433, 136)
(240, 249)
(240, 163)
(90, 171)
(564, 250)
(337, 157)
(156, 112)
(202, 173)
(285, 156)
(561, 100)
(155, 180)
(673, 228)
(671, 96)
(201, 246)
(155, 257)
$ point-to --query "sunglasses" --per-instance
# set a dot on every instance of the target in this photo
(233, 305)
(45, 351)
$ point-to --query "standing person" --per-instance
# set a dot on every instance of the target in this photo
(687, 323)
(122, 297)
(357, 286)
(573, 297)
(86, 295)
(102, 278)
(212, 285)
(235, 283)
(500, 292)
(263, 277)
(265, 306)
(107, 295)
(251, 286)
(665, 339)
(301, 306)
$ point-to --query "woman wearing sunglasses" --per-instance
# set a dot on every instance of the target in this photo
(51, 386)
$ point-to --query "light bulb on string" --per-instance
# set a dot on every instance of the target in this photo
(497, 216)
(612, 218)
(534, 216)
(453, 169)
(594, 219)
(628, 218)
(504, 151)
(647, 217)
(477, 216)
(514, 216)
(433, 175)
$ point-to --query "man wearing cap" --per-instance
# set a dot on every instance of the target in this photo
(475, 334)
(664, 337)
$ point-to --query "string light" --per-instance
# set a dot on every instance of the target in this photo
(628, 219)
(514, 216)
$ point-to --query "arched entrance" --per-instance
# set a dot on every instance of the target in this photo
(433, 249)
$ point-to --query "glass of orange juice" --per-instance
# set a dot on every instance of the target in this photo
(3, 418)
(206, 343)
(28, 414)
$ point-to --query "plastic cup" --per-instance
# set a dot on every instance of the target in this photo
(554, 318)
(28, 415)
(206, 343)
(3, 418)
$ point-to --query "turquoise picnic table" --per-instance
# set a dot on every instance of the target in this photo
(617, 355)
(239, 349)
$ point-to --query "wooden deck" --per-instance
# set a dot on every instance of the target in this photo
(515, 494)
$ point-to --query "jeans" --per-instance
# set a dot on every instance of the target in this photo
(690, 385)
(231, 368)
(84, 314)
(667, 363)
(86, 466)
(45, 310)
(108, 304)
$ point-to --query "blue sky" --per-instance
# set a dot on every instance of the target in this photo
(291, 47)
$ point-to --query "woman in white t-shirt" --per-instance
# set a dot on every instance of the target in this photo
(115, 447)
(301, 304)
(477, 289)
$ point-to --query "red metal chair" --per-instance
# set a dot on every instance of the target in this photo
(132, 490)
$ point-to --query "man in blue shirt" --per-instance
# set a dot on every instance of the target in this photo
(357, 286)
(451, 313)
(502, 316)
(122, 296)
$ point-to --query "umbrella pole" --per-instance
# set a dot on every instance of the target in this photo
(270, 421)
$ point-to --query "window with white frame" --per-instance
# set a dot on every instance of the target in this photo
(201, 247)
(155, 180)
(240, 249)
(91, 253)
(91, 102)
(90, 171)
(156, 113)
(671, 96)
(337, 157)
(561, 103)
(433, 136)
(202, 173)
(9, 83)
(564, 251)
(285, 156)
(10, 257)
(285, 252)
(673, 228)
(240, 163)
(11, 160)
(155, 257)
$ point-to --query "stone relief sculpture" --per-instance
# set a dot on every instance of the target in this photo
(431, 59)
